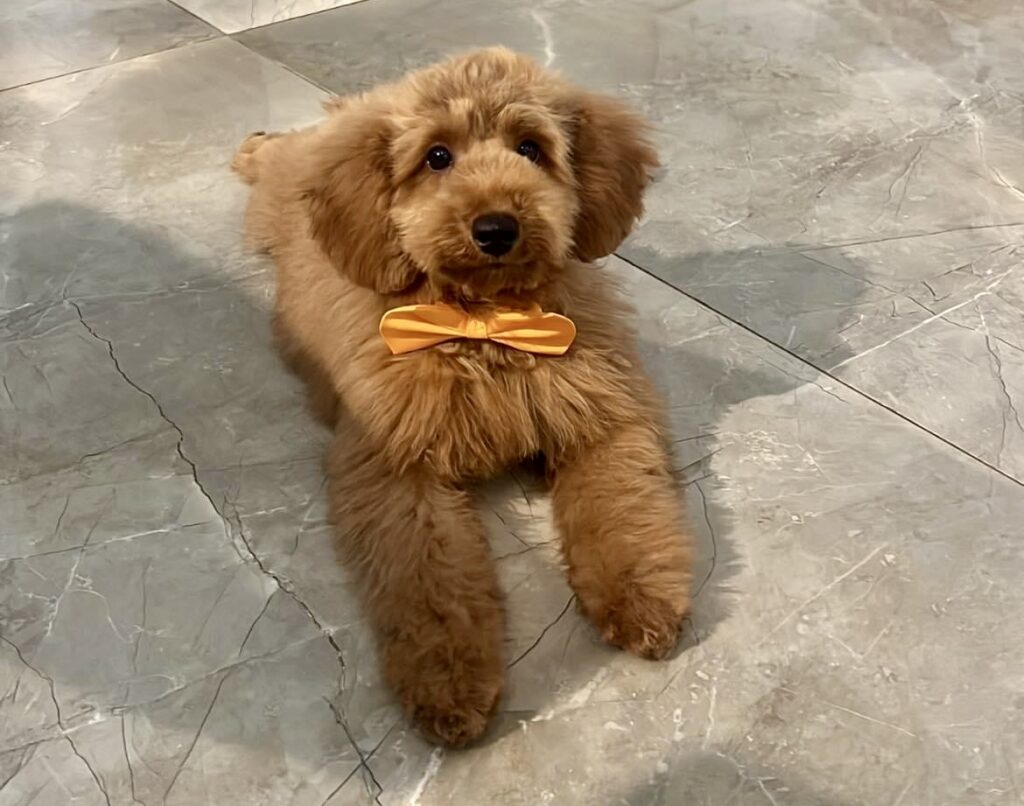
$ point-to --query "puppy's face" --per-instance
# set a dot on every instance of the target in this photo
(484, 174)
(484, 191)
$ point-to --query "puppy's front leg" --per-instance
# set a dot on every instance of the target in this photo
(421, 557)
(625, 539)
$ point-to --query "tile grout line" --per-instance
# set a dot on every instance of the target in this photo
(287, 68)
(297, 17)
(845, 384)
(213, 37)
(215, 34)
(195, 16)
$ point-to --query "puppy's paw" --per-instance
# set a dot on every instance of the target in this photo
(244, 161)
(456, 723)
(642, 619)
(253, 141)
(449, 680)
(451, 702)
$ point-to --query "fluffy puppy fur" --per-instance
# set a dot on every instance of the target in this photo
(357, 223)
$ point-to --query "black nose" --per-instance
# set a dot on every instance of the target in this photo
(495, 233)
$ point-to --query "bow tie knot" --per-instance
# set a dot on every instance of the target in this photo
(417, 327)
(476, 328)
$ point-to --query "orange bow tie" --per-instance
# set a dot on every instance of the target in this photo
(416, 327)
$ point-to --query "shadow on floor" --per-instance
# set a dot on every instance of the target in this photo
(56, 249)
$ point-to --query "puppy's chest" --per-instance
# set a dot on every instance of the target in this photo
(476, 413)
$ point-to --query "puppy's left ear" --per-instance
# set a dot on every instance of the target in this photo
(613, 160)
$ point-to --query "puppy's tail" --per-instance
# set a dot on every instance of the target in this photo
(245, 162)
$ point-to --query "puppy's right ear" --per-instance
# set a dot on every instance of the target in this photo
(349, 193)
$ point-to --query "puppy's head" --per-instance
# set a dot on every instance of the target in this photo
(485, 174)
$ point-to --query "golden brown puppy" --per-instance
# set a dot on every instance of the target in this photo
(484, 182)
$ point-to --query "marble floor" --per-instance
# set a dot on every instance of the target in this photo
(830, 295)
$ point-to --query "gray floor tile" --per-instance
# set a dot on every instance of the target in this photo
(44, 38)
(825, 163)
(174, 625)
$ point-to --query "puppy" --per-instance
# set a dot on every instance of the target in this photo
(413, 230)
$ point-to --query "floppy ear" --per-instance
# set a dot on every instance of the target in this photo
(349, 195)
(613, 160)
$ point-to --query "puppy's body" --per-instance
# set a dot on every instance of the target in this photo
(355, 231)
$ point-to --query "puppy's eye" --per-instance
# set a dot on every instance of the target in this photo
(439, 158)
(529, 149)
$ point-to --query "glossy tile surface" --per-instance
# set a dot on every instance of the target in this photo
(174, 625)
(44, 38)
